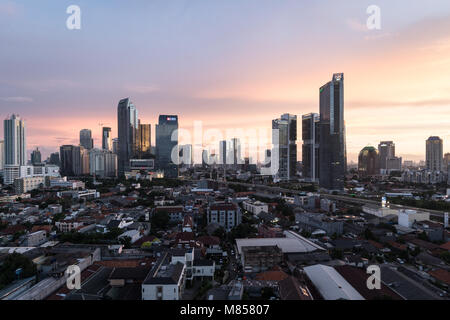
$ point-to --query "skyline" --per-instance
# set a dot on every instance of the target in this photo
(395, 77)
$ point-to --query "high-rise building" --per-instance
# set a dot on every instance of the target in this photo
(15, 141)
(143, 140)
(54, 159)
(36, 157)
(70, 157)
(284, 139)
(446, 161)
(310, 147)
(332, 150)
(386, 150)
(86, 140)
(2, 155)
(167, 145)
(223, 152)
(106, 139)
(84, 160)
(102, 163)
(234, 153)
(186, 155)
(127, 117)
(115, 145)
(368, 162)
(434, 154)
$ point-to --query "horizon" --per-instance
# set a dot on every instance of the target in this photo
(228, 68)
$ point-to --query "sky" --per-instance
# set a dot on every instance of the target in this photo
(227, 63)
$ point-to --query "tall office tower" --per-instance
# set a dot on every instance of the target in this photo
(368, 162)
(223, 152)
(54, 159)
(115, 145)
(36, 157)
(15, 141)
(143, 140)
(167, 145)
(332, 151)
(2, 155)
(205, 158)
(446, 161)
(434, 154)
(310, 147)
(386, 150)
(127, 117)
(286, 144)
(70, 157)
(86, 140)
(106, 139)
(234, 154)
(186, 155)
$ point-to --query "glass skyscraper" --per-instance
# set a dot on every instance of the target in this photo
(86, 140)
(106, 139)
(332, 151)
(15, 141)
(310, 147)
(286, 143)
(127, 125)
(167, 145)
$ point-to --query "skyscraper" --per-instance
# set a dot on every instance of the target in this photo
(332, 151)
(70, 157)
(127, 118)
(234, 153)
(167, 145)
(386, 150)
(15, 141)
(143, 140)
(223, 152)
(286, 145)
(36, 157)
(310, 148)
(86, 139)
(446, 161)
(106, 139)
(434, 154)
(2, 155)
(368, 162)
(54, 159)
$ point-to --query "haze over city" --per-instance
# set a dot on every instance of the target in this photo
(229, 64)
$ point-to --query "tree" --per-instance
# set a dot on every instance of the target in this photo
(11, 264)
(336, 253)
(160, 219)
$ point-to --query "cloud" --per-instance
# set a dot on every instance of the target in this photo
(17, 99)
(356, 25)
(142, 88)
(8, 8)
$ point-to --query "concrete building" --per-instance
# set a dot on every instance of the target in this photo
(102, 163)
(386, 150)
(368, 162)
(86, 140)
(15, 141)
(406, 218)
(106, 139)
(227, 215)
(26, 184)
(434, 154)
(255, 207)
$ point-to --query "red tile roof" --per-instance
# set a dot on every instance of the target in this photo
(441, 275)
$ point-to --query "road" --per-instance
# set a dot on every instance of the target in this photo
(348, 199)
